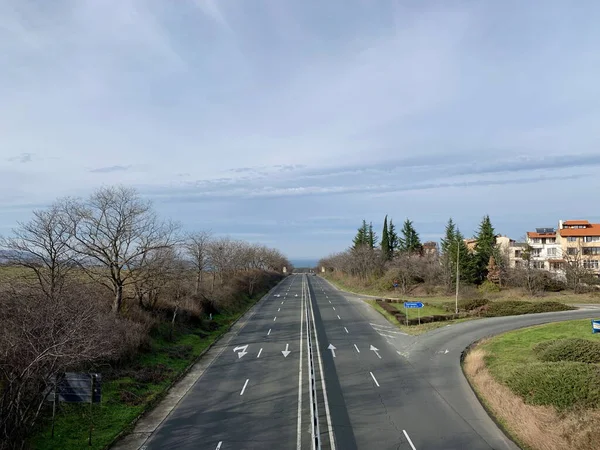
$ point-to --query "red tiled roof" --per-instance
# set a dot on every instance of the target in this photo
(569, 223)
(533, 234)
(592, 230)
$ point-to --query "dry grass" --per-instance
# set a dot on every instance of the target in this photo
(536, 427)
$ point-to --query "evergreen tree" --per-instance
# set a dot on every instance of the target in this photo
(449, 240)
(410, 242)
(484, 249)
(466, 261)
(371, 236)
(362, 236)
(385, 241)
(393, 239)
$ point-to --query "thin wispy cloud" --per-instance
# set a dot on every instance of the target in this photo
(110, 169)
(260, 119)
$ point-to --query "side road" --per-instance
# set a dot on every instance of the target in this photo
(149, 422)
(436, 358)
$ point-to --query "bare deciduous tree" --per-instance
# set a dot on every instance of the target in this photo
(114, 231)
(41, 245)
(197, 248)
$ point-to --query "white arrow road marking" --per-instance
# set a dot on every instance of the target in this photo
(332, 348)
(443, 352)
(374, 379)
(376, 350)
(259, 352)
(346, 329)
(219, 445)
(244, 388)
(409, 441)
(243, 349)
(286, 351)
(339, 317)
(269, 332)
(356, 348)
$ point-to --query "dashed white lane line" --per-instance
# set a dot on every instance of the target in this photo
(374, 379)
(409, 441)
(282, 303)
(259, 352)
(339, 317)
(330, 301)
(356, 348)
(333, 308)
(278, 309)
(346, 329)
(274, 318)
(246, 384)
(269, 332)
(219, 445)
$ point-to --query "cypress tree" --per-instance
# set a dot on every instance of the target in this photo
(385, 241)
(393, 239)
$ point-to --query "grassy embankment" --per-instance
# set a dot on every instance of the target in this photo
(471, 302)
(542, 384)
(129, 391)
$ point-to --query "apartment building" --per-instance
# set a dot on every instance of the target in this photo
(580, 243)
(546, 252)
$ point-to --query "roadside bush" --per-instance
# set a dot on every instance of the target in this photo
(562, 384)
(488, 287)
(576, 350)
(516, 307)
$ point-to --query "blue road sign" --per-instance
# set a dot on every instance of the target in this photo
(595, 326)
(413, 304)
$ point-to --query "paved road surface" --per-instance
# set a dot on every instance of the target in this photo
(349, 381)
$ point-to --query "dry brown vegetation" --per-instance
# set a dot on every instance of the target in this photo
(88, 282)
(537, 427)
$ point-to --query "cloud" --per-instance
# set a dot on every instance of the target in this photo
(22, 158)
(271, 117)
(110, 169)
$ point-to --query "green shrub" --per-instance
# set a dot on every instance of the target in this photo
(562, 384)
(576, 350)
(516, 307)
(487, 287)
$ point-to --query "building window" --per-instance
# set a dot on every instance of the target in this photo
(592, 239)
(517, 253)
(555, 266)
(551, 252)
(591, 264)
(571, 239)
(551, 241)
(591, 250)
(536, 252)
(537, 241)
(572, 251)
(538, 264)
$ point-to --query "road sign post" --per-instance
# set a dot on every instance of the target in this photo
(411, 305)
(595, 326)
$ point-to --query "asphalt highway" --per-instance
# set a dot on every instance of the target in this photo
(317, 368)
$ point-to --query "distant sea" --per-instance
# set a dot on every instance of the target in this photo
(302, 262)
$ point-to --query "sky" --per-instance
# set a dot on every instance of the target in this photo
(289, 122)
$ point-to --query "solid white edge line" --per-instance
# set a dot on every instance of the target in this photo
(244, 388)
(326, 401)
(356, 348)
(259, 352)
(299, 428)
(409, 441)
(374, 379)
